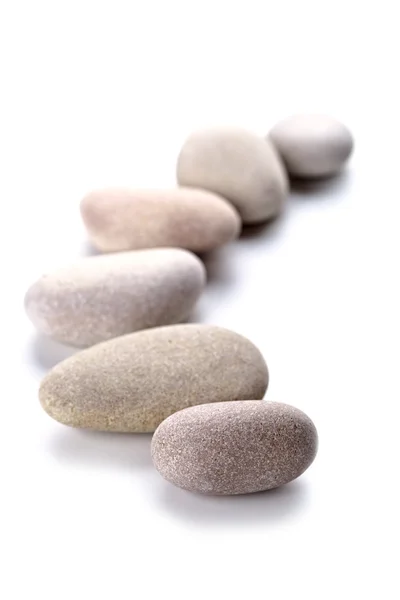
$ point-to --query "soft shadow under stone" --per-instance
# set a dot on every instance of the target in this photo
(322, 188)
(46, 353)
(261, 229)
(219, 265)
(87, 249)
(96, 449)
(261, 508)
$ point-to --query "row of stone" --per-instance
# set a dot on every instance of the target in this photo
(157, 377)
(231, 165)
(199, 387)
(244, 180)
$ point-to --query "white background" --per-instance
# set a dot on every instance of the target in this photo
(104, 93)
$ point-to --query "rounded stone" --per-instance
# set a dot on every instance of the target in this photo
(123, 219)
(240, 166)
(234, 447)
(312, 145)
(133, 383)
(102, 297)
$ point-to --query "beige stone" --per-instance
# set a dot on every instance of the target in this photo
(132, 383)
(102, 297)
(124, 219)
(240, 166)
(234, 447)
(312, 145)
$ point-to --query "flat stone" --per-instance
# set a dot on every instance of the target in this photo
(234, 447)
(134, 382)
(312, 145)
(102, 297)
(124, 219)
(238, 165)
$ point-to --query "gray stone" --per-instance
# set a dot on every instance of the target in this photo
(134, 382)
(102, 297)
(240, 166)
(124, 219)
(234, 447)
(312, 145)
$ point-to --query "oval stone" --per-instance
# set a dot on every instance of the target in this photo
(123, 219)
(102, 297)
(234, 447)
(240, 166)
(312, 145)
(132, 383)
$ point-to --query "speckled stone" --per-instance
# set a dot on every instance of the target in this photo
(312, 145)
(102, 297)
(240, 166)
(234, 447)
(123, 219)
(134, 382)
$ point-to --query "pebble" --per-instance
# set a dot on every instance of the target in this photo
(234, 447)
(101, 297)
(312, 145)
(132, 383)
(123, 219)
(240, 166)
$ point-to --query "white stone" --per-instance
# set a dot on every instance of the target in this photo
(312, 145)
(102, 297)
(238, 165)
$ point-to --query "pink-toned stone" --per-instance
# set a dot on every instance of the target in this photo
(125, 219)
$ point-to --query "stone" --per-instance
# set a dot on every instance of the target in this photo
(234, 447)
(124, 219)
(101, 297)
(312, 145)
(238, 165)
(134, 382)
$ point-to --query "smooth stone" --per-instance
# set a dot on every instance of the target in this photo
(124, 219)
(133, 383)
(240, 166)
(101, 297)
(312, 145)
(234, 447)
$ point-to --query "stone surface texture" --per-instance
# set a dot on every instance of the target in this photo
(234, 447)
(102, 297)
(132, 383)
(128, 219)
(238, 165)
(312, 145)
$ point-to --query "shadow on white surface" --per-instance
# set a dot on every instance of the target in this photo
(197, 315)
(268, 507)
(94, 449)
(221, 279)
(219, 266)
(87, 249)
(263, 233)
(44, 353)
(260, 229)
(323, 188)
